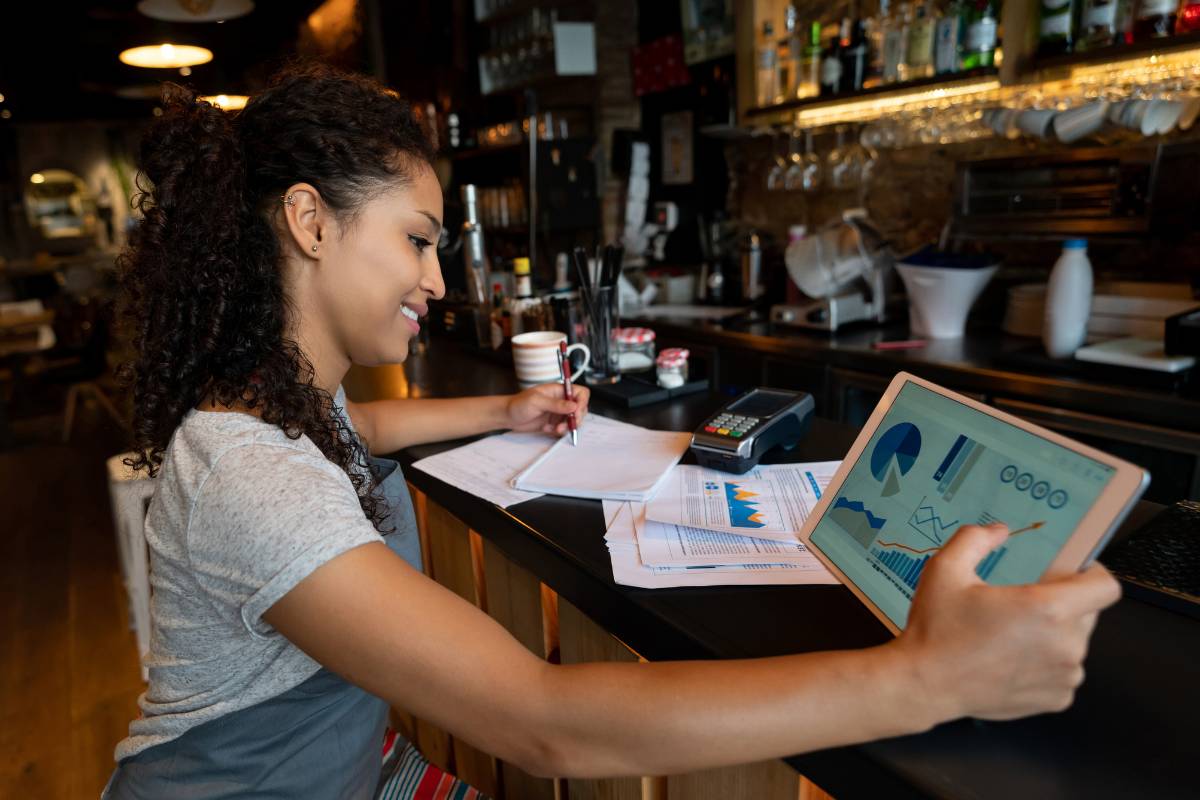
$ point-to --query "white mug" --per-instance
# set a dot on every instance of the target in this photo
(536, 360)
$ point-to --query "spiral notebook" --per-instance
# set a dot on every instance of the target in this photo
(614, 461)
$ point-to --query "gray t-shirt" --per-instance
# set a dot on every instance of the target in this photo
(241, 514)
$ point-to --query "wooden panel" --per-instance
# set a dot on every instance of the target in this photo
(455, 566)
(420, 505)
(810, 791)
(514, 599)
(768, 780)
(581, 640)
(476, 768)
(434, 744)
(450, 551)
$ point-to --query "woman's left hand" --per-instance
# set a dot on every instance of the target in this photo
(542, 408)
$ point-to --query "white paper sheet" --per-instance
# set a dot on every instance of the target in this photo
(768, 502)
(485, 468)
(614, 461)
(628, 570)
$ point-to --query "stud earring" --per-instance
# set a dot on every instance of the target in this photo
(314, 248)
(289, 200)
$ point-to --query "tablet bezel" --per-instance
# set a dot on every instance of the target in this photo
(1089, 537)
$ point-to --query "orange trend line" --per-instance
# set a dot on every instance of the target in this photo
(1032, 527)
(909, 549)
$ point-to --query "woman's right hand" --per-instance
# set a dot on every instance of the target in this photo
(1000, 652)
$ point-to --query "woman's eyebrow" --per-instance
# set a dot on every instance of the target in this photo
(434, 221)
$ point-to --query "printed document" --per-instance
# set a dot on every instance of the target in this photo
(485, 468)
(627, 521)
(768, 502)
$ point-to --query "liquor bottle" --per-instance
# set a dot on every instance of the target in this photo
(1098, 24)
(791, 56)
(810, 69)
(875, 27)
(1155, 19)
(918, 58)
(948, 38)
(768, 72)
(831, 64)
(979, 44)
(895, 41)
(1057, 28)
(1189, 17)
(855, 55)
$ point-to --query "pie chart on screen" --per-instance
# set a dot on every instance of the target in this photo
(894, 455)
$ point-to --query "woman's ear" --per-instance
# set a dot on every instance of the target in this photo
(306, 217)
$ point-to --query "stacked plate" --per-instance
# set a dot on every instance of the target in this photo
(1119, 308)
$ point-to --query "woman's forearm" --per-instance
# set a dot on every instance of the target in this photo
(666, 718)
(392, 425)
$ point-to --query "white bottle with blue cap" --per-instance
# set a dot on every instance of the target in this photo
(1068, 301)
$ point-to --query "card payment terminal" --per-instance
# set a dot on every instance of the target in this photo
(737, 436)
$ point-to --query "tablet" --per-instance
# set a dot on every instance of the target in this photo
(929, 461)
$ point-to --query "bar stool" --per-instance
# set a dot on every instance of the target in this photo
(130, 493)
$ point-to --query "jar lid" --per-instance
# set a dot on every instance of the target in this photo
(633, 335)
(521, 265)
(673, 357)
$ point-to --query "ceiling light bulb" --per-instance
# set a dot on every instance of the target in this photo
(37, 177)
(166, 56)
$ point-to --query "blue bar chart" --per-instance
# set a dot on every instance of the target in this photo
(984, 570)
(905, 567)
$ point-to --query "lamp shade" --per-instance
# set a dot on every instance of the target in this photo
(195, 10)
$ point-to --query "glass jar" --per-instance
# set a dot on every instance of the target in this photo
(635, 349)
(672, 365)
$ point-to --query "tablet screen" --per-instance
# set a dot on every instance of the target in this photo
(935, 464)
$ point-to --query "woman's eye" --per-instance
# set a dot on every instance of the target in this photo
(419, 242)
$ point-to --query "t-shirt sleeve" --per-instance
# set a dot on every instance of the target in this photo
(266, 517)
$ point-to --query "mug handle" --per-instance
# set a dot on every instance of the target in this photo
(587, 358)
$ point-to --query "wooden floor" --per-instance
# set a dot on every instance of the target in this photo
(69, 677)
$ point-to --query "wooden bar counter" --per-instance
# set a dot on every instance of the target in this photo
(541, 570)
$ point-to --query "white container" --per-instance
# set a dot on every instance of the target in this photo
(941, 290)
(1068, 301)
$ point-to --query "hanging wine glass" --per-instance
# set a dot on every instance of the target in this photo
(793, 178)
(776, 172)
(810, 180)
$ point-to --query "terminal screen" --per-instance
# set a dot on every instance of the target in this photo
(935, 464)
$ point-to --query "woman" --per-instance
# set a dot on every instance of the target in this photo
(281, 246)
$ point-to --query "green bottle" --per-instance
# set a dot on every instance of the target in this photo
(982, 28)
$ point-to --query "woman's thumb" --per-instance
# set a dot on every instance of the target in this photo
(968, 546)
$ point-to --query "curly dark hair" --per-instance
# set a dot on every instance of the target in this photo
(202, 276)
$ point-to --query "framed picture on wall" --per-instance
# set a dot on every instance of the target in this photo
(707, 29)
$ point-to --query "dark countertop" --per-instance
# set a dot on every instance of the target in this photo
(986, 362)
(1130, 733)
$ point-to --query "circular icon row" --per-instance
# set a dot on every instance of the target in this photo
(1025, 482)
